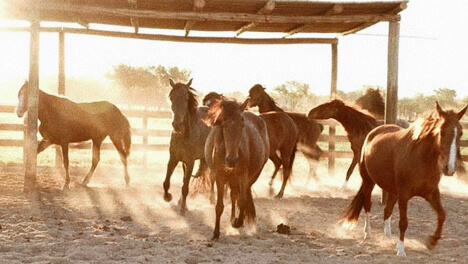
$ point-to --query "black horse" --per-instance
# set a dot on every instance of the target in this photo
(64, 122)
(188, 137)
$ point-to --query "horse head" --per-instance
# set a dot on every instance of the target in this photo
(211, 98)
(326, 110)
(22, 100)
(256, 95)
(228, 115)
(183, 103)
(449, 132)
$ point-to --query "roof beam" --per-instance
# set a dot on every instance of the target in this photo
(334, 10)
(265, 10)
(222, 17)
(134, 21)
(396, 10)
(178, 38)
(197, 7)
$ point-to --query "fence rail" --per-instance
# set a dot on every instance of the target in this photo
(145, 131)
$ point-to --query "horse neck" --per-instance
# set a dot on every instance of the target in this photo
(354, 121)
(46, 102)
(191, 126)
(268, 105)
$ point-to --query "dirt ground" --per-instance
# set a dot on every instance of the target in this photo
(107, 223)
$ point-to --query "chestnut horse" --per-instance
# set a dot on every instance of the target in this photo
(309, 130)
(356, 123)
(236, 151)
(282, 135)
(64, 122)
(187, 139)
(407, 163)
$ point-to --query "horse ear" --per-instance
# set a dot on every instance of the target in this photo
(190, 82)
(439, 109)
(245, 104)
(171, 82)
(462, 112)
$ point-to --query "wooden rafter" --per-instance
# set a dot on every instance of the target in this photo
(134, 21)
(334, 10)
(265, 10)
(161, 37)
(197, 7)
(401, 7)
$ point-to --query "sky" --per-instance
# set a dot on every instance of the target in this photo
(433, 54)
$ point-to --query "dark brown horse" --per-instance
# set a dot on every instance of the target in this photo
(309, 130)
(236, 150)
(187, 139)
(64, 122)
(407, 163)
(356, 123)
(282, 135)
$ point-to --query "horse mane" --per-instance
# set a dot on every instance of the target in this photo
(220, 110)
(266, 98)
(192, 97)
(358, 120)
(426, 127)
(372, 101)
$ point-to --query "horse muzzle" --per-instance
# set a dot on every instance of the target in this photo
(178, 126)
(20, 113)
(448, 171)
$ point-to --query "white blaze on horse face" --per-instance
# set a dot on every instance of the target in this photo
(453, 153)
(20, 108)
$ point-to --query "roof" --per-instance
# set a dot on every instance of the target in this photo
(236, 16)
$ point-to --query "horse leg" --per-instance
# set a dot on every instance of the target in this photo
(212, 183)
(188, 168)
(219, 206)
(286, 161)
(96, 158)
(64, 146)
(277, 162)
(388, 210)
(368, 186)
(434, 200)
(242, 200)
(403, 225)
(234, 201)
(123, 157)
(167, 182)
(350, 170)
(43, 145)
(201, 169)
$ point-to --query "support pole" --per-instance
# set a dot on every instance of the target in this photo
(331, 128)
(30, 149)
(392, 73)
(61, 91)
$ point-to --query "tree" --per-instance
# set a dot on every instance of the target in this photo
(291, 94)
(445, 96)
(147, 85)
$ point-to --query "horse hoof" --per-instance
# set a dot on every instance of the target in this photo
(168, 197)
(215, 236)
(182, 211)
(237, 223)
(279, 196)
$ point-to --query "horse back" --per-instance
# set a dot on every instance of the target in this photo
(309, 129)
(257, 145)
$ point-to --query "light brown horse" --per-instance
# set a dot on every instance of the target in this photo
(356, 123)
(236, 151)
(282, 135)
(64, 121)
(407, 163)
(309, 130)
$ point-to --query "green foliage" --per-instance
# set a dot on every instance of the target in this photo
(147, 85)
(295, 96)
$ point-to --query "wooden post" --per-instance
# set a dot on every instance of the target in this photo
(392, 73)
(391, 109)
(331, 129)
(30, 180)
(61, 91)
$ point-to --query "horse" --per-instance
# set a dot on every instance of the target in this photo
(356, 123)
(236, 151)
(282, 134)
(373, 102)
(187, 138)
(309, 130)
(407, 163)
(64, 121)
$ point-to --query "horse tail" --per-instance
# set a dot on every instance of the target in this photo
(291, 161)
(127, 136)
(354, 209)
(122, 135)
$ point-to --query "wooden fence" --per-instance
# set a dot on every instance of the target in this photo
(151, 131)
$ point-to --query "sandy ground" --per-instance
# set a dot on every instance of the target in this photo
(107, 223)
